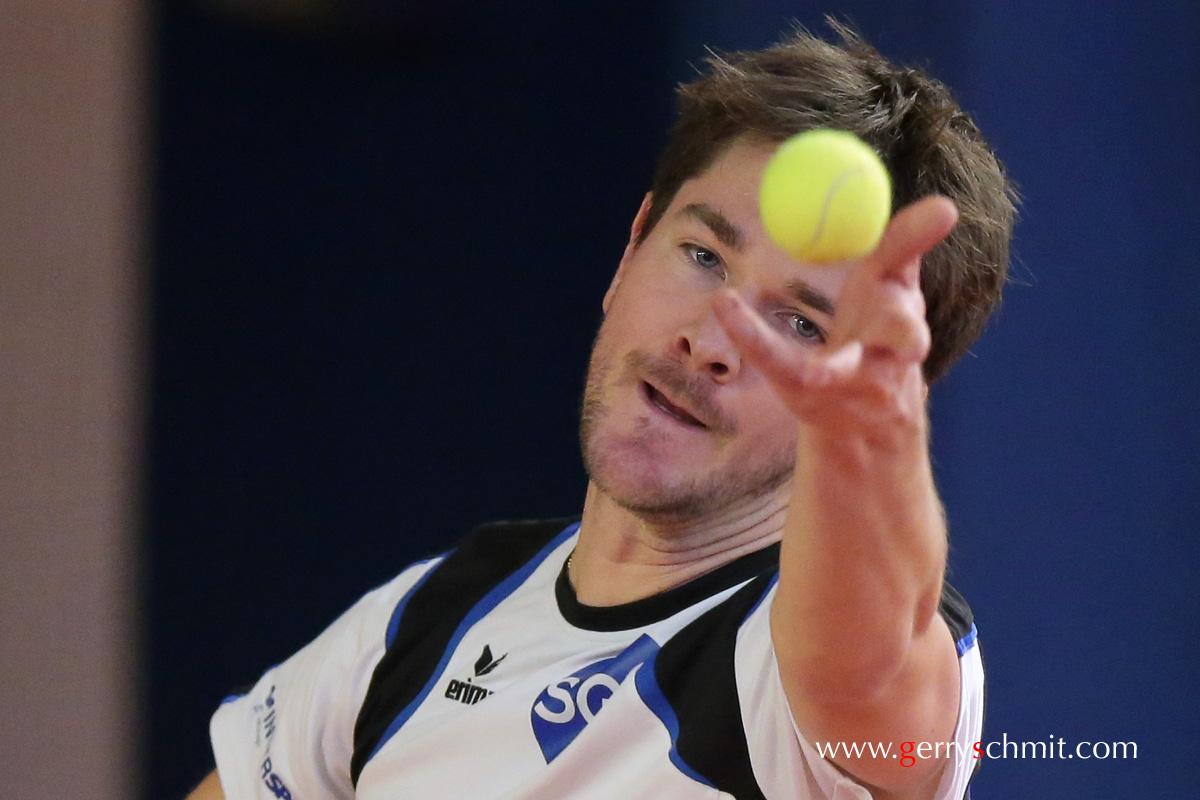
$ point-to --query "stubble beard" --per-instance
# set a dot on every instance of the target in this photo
(651, 496)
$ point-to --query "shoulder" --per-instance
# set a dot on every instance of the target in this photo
(721, 676)
(512, 541)
(485, 557)
(432, 590)
(289, 730)
(429, 618)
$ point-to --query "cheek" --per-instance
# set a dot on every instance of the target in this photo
(766, 422)
(639, 313)
(620, 334)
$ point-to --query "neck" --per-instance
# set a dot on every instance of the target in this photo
(622, 556)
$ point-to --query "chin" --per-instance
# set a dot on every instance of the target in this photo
(633, 474)
(649, 487)
(654, 471)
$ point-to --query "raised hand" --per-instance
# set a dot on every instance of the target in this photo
(878, 339)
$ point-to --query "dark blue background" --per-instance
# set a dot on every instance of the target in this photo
(380, 253)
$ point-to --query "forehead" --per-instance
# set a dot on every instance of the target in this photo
(733, 179)
(730, 186)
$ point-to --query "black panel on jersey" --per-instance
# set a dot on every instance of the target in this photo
(484, 558)
(695, 671)
(658, 607)
(956, 612)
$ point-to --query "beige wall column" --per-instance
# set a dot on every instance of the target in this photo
(72, 136)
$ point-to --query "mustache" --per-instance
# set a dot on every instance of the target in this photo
(693, 390)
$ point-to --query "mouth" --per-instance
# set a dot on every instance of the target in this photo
(660, 401)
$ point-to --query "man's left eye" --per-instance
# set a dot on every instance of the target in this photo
(806, 328)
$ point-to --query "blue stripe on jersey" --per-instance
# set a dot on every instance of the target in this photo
(481, 610)
(967, 642)
(763, 596)
(394, 622)
(656, 701)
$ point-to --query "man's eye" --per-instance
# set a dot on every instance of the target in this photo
(705, 259)
(806, 328)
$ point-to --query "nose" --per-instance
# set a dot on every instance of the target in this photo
(708, 350)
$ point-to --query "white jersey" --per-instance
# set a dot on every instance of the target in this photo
(479, 675)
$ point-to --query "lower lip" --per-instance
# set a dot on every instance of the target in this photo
(648, 394)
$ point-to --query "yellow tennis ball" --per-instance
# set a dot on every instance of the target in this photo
(825, 196)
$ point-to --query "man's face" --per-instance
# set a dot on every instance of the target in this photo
(676, 424)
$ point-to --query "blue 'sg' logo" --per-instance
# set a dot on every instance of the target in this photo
(562, 710)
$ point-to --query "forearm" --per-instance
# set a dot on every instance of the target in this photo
(862, 559)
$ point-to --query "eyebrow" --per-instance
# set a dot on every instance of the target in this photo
(806, 294)
(722, 227)
(730, 235)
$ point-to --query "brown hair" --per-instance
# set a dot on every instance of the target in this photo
(929, 144)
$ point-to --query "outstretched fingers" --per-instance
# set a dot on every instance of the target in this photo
(912, 233)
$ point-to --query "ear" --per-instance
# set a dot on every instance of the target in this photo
(635, 232)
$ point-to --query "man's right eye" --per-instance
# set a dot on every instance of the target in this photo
(705, 259)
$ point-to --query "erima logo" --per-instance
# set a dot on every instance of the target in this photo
(563, 710)
(467, 692)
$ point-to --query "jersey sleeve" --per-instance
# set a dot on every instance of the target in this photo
(787, 765)
(291, 737)
(969, 728)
